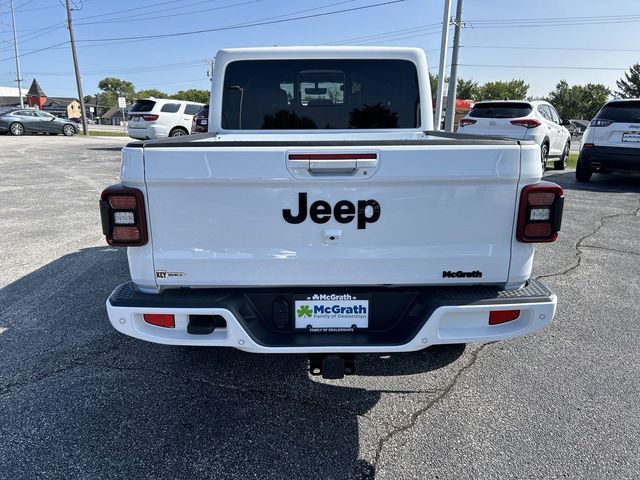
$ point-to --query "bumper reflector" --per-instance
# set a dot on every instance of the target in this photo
(165, 320)
(497, 317)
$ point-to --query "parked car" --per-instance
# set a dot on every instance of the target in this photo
(158, 118)
(575, 129)
(18, 121)
(201, 121)
(612, 141)
(535, 120)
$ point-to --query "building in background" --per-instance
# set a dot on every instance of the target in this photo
(64, 107)
(9, 97)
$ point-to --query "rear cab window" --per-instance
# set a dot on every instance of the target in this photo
(620, 112)
(320, 94)
(143, 106)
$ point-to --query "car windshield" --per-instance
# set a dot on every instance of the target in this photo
(500, 110)
(320, 94)
(143, 106)
(626, 112)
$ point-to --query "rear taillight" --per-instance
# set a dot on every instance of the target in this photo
(123, 219)
(150, 118)
(131, 117)
(527, 122)
(540, 216)
(467, 121)
(600, 122)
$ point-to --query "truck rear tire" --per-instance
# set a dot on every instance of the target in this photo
(583, 174)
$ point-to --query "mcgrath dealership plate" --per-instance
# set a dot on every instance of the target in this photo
(326, 313)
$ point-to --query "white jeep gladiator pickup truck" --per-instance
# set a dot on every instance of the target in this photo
(322, 215)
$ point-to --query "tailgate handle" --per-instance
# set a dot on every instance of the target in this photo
(332, 166)
(346, 163)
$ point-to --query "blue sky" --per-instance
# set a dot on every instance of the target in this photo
(503, 39)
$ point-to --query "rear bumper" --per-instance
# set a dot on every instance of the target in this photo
(620, 159)
(403, 320)
(148, 133)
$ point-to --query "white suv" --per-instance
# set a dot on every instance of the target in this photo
(612, 140)
(535, 120)
(158, 117)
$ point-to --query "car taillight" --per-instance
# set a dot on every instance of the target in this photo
(123, 218)
(600, 122)
(540, 216)
(467, 121)
(131, 117)
(527, 122)
(150, 118)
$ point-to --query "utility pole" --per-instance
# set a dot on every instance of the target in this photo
(453, 78)
(83, 113)
(15, 48)
(444, 47)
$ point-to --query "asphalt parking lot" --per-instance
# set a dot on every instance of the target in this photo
(79, 400)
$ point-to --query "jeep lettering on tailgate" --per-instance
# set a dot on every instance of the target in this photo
(344, 211)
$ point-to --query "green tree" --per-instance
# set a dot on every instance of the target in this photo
(566, 100)
(151, 92)
(433, 80)
(192, 95)
(578, 101)
(629, 85)
(112, 88)
(467, 89)
(511, 90)
(595, 95)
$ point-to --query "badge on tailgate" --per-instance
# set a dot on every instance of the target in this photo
(344, 211)
(323, 313)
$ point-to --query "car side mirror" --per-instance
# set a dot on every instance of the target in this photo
(565, 123)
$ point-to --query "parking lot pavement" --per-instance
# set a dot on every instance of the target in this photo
(79, 400)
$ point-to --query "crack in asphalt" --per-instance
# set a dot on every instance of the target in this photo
(78, 361)
(415, 416)
(579, 244)
(264, 393)
(615, 250)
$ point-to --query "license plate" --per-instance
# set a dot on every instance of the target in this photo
(631, 137)
(326, 313)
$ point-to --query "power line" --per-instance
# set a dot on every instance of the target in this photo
(31, 52)
(245, 25)
(551, 67)
(130, 10)
(143, 18)
(390, 33)
(502, 47)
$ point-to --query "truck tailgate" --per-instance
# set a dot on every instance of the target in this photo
(406, 214)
